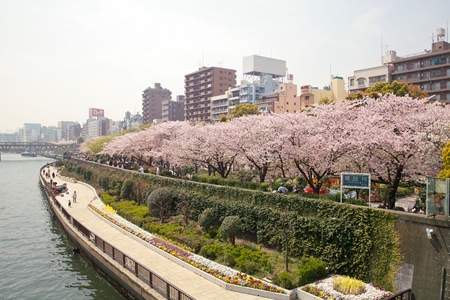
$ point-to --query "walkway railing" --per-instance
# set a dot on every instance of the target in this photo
(156, 282)
(403, 295)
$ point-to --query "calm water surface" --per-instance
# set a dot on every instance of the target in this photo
(36, 258)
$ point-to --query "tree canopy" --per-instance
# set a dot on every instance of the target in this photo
(240, 110)
(397, 88)
(392, 138)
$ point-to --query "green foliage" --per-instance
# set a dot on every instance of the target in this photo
(445, 172)
(230, 227)
(310, 270)
(187, 170)
(107, 198)
(357, 241)
(284, 279)
(127, 189)
(207, 219)
(396, 87)
(88, 175)
(212, 251)
(247, 175)
(245, 109)
(160, 203)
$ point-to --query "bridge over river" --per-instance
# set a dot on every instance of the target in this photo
(36, 147)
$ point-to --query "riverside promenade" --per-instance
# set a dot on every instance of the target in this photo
(180, 277)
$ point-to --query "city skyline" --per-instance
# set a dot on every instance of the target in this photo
(61, 58)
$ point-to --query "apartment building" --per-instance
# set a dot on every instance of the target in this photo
(310, 95)
(223, 104)
(152, 102)
(429, 70)
(200, 86)
(173, 110)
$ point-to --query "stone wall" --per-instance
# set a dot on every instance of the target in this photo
(423, 256)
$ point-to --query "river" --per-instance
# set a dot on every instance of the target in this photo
(36, 256)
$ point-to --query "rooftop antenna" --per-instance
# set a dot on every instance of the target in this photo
(203, 58)
(381, 45)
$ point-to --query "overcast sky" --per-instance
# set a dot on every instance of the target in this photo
(59, 58)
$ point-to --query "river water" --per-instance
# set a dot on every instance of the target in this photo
(36, 256)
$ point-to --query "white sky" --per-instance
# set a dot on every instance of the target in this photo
(58, 58)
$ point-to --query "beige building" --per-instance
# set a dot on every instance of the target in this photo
(288, 100)
(310, 95)
(201, 86)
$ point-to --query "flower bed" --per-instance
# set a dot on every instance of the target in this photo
(185, 254)
(324, 289)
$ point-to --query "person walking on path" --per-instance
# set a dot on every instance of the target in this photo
(74, 196)
(68, 204)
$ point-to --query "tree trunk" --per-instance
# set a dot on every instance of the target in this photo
(262, 174)
(393, 187)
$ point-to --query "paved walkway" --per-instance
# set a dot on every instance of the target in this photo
(189, 282)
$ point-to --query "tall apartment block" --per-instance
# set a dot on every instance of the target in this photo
(152, 99)
(429, 70)
(201, 86)
(173, 110)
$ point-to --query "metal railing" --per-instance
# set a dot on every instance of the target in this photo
(403, 295)
(156, 282)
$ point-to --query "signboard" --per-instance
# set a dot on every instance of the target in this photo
(355, 180)
(96, 112)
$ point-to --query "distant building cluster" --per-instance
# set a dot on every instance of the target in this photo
(210, 92)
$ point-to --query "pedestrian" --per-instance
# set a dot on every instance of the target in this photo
(51, 182)
(68, 205)
(74, 196)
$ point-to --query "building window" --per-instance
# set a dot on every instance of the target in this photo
(383, 78)
(295, 103)
(221, 78)
(287, 103)
(361, 81)
(221, 84)
(295, 111)
(401, 68)
(352, 82)
(306, 97)
(287, 110)
(448, 97)
(373, 80)
(221, 71)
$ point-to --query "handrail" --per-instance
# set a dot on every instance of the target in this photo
(403, 295)
(156, 282)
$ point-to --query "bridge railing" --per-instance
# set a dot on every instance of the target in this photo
(162, 286)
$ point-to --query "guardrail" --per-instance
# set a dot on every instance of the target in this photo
(156, 282)
(403, 295)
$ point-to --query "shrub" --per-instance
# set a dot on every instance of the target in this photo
(349, 286)
(88, 175)
(230, 228)
(127, 189)
(107, 198)
(159, 203)
(165, 173)
(212, 251)
(264, 186)
(247, 175)
(284, 279)
(310, 270)
(399, 208)
(207, 219)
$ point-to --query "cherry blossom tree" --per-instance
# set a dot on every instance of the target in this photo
(317, 139)
(256, 141)
(398, 138)
(204, 145)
